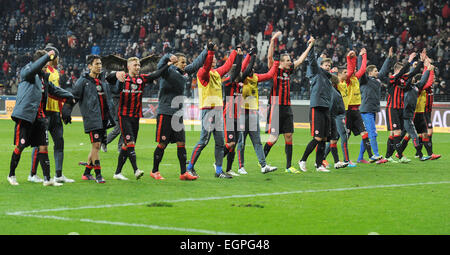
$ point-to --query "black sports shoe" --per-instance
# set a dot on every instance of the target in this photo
(223, 175)
(194, 173)
(99, 179)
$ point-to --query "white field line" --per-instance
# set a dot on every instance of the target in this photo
(33, 212)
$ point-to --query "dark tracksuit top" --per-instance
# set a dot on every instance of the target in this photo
(320, 83)
(371, 90)
(33, 91)
(173, 82)
(337, 106)
(411, 94)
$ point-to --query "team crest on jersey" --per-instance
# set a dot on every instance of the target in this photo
(395, 125)
(99, 88)
(22, 141)
(134, 86)
(230, 136)
(139, 81)
(96, 136)
(128, 137)
(285, 74)
(316, 132)
(273, 130)
(163, 137)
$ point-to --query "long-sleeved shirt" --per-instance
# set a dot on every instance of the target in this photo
(411, 93)
(354, 92)
(371, 90)
(320, 83)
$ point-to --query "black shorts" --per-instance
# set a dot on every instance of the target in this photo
(320, 122)
(230, 133)
(394, 120)
(334, 135)
(166, 132)
(129, 128)
(428, 120)
(280, 119)
(354, 122)
(420, 123)
(30, 134)
(97, 136)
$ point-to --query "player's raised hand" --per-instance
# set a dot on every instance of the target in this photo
(423, 55)
(411, 57)
(391, 52)
(276, 35)
(362, 51)
(211, 46)
(173, 59)
(120, 76)
(351, 54)
(311, 41)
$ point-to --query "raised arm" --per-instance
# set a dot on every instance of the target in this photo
(225, 68)
(269, 75)
(203, 72)
(424, 80)
(313, 67)
(302, 57)
(271, 48)
(238, 62)
(384, 71)
(362, 63)
(197, 63)
(351, 65)
(30, 71)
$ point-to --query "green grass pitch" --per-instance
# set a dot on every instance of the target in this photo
(394, 199)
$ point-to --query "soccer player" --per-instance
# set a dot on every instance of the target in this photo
(211, 105)
(131, 86)
(232, 92)
(354, 119)
(412, 88)
(29, 114)
(94, 95)
(395, 106)
(337, 123)
(370, 85)
(319, 115)
(427, 136)
(280, 119)
(170, 126)
(55, 126)
(249, 114)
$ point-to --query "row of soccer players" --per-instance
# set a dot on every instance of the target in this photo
(94, 96)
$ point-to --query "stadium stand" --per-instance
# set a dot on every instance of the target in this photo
(143, 27)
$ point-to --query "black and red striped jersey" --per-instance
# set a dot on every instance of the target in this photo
(396, 92)
(101, 98)
(130, 102)
(282, 86)
(430, 99)
(231, 95)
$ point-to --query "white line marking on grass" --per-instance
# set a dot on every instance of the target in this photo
(33, 212)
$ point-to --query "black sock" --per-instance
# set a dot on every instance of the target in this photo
(97, 168)
(398, 144)
(157, 157)
(267, 148)
(309, 148)
(230, 159)
(123, 155)
(428, 146)
(88, 169)
(288, 151)
(419, 148)
(132, 156)
(390, 147)
(34, 162)
(417, 144)
(45, 164)
(334, 152)
(319, 153)
(181, 152)
(15, 158)
(430, 138)
(58, 173)
(367, 145)
(404, 143)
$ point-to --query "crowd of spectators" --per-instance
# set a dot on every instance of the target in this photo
(144, 27)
